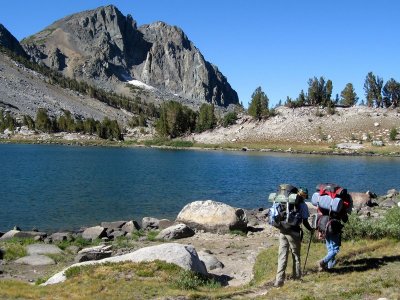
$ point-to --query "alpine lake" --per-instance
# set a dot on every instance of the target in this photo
(54, 187)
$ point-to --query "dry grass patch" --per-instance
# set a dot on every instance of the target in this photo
(116, 281)
(366, 270)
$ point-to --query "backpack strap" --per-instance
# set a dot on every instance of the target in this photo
(287, 211)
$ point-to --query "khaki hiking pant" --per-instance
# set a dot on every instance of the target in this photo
(288, 241)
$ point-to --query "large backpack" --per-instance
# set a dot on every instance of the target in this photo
(331, 198)
(284, 212)
(331, 201)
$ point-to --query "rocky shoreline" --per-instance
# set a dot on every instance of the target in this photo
(117, 238)
(231, 147)
(230, 236)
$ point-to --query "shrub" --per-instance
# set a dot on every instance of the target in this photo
(151, 235)
(15, 248)
(73, 271)
(229, 119)
(188, 280)
(389, 227)
(78, 241)
(393, 134)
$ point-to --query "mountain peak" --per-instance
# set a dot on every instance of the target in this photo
(106, 48)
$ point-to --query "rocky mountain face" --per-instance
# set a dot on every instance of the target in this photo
(108, 49)
(23, 91)
(8, 41)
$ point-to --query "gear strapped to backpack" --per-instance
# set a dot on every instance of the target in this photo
(285, 213)
(333, 202)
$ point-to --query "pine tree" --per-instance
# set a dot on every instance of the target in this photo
(43, 121)
(373, 89)
(348, 96)
(206, 119)
(258, 107)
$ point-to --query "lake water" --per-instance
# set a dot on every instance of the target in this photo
(55, 187)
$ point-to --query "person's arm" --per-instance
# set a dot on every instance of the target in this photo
(305, 214)
(307, 225)
(345, 216)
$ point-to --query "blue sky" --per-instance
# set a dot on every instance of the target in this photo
(277, 45)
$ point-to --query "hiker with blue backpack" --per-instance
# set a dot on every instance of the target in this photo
(333, 205)
(287, 213)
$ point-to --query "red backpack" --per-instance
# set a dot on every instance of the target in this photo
(327, 221)
(335, 191)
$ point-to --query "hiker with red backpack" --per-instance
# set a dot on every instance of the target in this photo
(333, 205)
(287, 213)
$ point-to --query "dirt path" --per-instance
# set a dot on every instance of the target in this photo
(237, 253)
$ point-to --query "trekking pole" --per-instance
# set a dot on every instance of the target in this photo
(308, 250)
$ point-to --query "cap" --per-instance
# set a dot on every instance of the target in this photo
(303, 192)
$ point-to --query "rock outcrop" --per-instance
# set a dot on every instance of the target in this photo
(184, 256)
(7, 40)
(213, 216)
(106, 48)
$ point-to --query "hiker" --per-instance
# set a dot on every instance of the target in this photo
(333, 240)
(290, 238)
(333, 203)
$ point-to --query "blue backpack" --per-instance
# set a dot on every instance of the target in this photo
(284, 212)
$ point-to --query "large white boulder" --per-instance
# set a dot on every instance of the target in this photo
(213, 216)
(184, 256)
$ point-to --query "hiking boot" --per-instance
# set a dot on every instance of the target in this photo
(321, 266)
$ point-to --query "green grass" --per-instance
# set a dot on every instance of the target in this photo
(273, 146)
(366, 269)
(237, 232)
(78, 241)
(15, 247)
(151, 235)
(117, 281)
(177, 143)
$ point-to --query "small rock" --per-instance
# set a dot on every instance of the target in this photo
(43, 249)
(130, 226)
(377, 143)
(149, 223)
(178, 231)
(210, 261)
(113, 225)
(60, 236)
(94, 255)
(93, 233)
(35, 260)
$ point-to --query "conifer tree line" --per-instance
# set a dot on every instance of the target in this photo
(319, 93)
(107, 129)
(172, 119)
